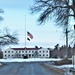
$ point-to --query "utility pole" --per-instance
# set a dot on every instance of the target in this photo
(66, 42)
(67, 51)
(73, 56)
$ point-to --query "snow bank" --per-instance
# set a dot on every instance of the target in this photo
(66, 68)
(28, 60)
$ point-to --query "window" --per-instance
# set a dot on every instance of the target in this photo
(5, 51)
(40, 51)
(22, 51)
(8, 51)
(32, 54)
(29, 51)
(12, 51)
(8, 55)
(5, 55)
(29, 55)
(47, 51)
(19, 55)
(22, 54)
(43, 55)
(16, 51)
(32, 51)
(43, 51)
(19, 51)
(26, 54)
(39, 54)
(47, 55)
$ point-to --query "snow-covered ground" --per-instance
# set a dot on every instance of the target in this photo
(66, 68)
(37, 60)
(28, 60)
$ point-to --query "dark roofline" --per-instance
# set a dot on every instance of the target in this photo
(25, 48)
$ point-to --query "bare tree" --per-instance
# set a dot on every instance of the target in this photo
(60, 10)
(52, 8)
(57, 46)
(1, 12)
(7, 38)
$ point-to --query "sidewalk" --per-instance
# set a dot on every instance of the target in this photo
(54, 68)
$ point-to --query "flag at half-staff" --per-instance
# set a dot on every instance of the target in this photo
(74, 27)
(28, 39)
(29, 35)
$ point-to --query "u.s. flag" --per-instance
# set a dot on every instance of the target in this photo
(30, 35)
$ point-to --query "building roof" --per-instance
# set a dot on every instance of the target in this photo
(25, 48)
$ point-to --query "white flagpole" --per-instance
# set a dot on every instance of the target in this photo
(25, 32)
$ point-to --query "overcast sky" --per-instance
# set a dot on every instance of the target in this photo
(17, 16)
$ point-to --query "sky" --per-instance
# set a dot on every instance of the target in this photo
(17, 17)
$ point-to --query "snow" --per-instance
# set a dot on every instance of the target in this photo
(66, 68)
(37, 60)
(28, 60)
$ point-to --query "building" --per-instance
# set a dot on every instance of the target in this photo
(29, 52)
(44, 53)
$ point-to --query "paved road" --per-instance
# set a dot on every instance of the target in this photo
(26, 69)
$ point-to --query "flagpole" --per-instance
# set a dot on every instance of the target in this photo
(25, 32)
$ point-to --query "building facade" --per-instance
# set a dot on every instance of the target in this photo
(29, 52)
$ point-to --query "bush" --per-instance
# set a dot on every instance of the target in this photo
(62, 62)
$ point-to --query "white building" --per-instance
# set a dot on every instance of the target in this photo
(44, 53)
(29, 52)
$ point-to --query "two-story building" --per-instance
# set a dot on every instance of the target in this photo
(29, 52)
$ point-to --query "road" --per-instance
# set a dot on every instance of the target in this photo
(27, 69)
